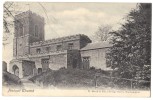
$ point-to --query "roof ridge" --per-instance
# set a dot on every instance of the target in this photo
(96, 45)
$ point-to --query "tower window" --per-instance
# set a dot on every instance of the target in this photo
(38, 50)
(36, 30)
(21, 30)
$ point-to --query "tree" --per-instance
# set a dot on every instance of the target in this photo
(8, 17)
(131, 50)
(8, 13)
(102, 33)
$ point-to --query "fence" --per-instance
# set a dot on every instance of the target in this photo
(121, 82)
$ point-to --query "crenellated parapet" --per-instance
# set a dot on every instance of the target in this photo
(28, 14)
(58, 40)
(22, 15)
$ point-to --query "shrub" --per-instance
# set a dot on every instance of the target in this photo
(11, 79)
(92, 68)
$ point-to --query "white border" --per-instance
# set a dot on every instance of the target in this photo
(66, 98)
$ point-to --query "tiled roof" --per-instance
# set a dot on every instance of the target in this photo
(96, 45)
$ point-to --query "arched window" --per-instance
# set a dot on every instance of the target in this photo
(15, 69)
(36, 30)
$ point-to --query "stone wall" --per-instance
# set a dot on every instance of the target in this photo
(4, 66)
(36, 20)
(58, 61)
(78, 42)
(37, 61)
(97, 57)
(17, 63)
(21, 41)
(21, 19)
(24, 32)
(57, 40)
(53, 47)
(25, 67)
(28, 67)
(73, 59)
(22, 46)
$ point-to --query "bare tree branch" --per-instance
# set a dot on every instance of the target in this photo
(102, 34)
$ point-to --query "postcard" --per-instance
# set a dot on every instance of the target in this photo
(76, 49)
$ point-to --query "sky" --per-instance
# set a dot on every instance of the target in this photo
(63, 19)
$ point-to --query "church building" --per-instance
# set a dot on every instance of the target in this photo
(32, 54)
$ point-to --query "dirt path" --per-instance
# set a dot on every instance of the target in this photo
(28, 84)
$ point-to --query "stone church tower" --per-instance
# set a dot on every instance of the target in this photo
(29, 28)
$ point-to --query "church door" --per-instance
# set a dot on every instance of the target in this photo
(85, 62)
(16, 70)
(39, 70)
(75, 61)
(45, 64)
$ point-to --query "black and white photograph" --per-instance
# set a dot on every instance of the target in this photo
(77, 48)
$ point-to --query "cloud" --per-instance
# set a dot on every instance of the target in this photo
(79, 20)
